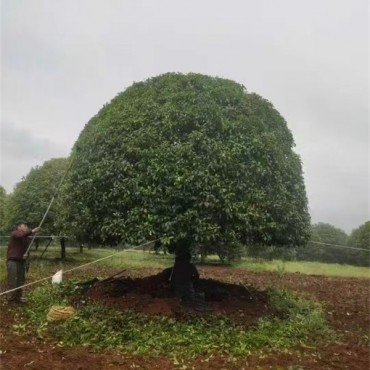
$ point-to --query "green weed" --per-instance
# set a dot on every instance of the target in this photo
(299, 321)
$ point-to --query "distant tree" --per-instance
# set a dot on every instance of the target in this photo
(360, 238)
(3, 197)
(190, 159)
(32, 195)
(327, 233)
(314, 251)
(335, 250)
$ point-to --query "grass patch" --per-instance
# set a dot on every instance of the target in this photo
(299, 321)
(305, 267)
(51, 262)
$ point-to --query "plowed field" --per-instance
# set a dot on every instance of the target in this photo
(345, 301)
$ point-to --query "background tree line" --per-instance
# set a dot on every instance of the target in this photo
(31, 196)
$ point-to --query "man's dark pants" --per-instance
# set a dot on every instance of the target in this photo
(16, 278)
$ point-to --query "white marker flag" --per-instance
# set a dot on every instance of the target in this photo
(57, 277)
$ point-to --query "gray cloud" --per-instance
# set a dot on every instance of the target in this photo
(21, 150)
(61, 61)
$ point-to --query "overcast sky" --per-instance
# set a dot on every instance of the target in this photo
(62, 60)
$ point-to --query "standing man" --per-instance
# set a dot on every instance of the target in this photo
(16, 260)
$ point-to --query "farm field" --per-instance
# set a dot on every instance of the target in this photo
(344, 301)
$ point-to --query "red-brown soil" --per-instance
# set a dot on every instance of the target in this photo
(152, 295)
(346, 304)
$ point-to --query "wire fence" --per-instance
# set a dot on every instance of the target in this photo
(315, 251)
(76, 268)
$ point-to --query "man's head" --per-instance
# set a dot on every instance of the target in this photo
(22, 227)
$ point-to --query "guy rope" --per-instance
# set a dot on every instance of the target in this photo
(78, 267)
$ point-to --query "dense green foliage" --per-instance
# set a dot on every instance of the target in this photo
(190, 159)
(299, 321)
(32, 195)
(360, 237)
(326, 233)
(3, 198)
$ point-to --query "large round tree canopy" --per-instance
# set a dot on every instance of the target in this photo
(187, 158)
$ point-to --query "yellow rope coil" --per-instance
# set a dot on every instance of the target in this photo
(60, 313)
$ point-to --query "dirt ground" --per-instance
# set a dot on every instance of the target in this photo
(346, 304)
(153, 295)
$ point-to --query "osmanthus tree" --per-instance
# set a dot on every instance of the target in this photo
(32, 195)
(191, 159)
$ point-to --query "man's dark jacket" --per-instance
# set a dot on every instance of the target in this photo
(18, 244)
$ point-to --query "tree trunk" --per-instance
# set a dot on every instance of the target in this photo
(63, 248)
(202, 257)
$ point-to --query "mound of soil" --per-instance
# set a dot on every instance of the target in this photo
(153, 295)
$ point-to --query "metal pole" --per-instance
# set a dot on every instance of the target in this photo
(47, 246)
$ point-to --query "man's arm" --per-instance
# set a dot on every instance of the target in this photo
(23, 233)
(33, 231)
